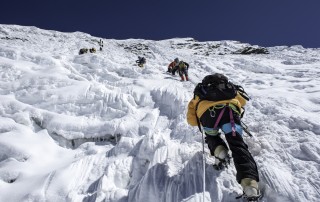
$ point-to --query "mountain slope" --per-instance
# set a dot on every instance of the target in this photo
(96, 127)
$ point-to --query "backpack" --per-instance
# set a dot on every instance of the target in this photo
(182, 65)
(216, 87)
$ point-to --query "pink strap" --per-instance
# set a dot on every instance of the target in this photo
(232, 122)
(219, 118)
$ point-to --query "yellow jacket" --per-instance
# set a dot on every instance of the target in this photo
(238, 101)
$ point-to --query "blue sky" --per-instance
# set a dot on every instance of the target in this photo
(260, 22)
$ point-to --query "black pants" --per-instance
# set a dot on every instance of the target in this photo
(244, 163)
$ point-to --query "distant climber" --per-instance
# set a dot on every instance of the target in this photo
(218, 105)
(83, 51)
(92, 50)
(141, 61)
(173, 66)
(183, 70)
(101, 44)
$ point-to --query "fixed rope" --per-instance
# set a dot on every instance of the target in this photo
(204, 166)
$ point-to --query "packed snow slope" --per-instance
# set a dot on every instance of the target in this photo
(96, 127)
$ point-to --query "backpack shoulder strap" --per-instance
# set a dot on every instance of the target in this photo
(198, 119)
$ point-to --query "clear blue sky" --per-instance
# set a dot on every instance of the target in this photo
(258, 22)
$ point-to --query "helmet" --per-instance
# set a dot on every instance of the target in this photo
(176, 60)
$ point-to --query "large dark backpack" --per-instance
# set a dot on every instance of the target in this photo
(216, 87)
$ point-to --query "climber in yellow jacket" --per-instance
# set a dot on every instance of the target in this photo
(218, 105)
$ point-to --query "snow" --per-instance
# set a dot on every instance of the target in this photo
(96, 127)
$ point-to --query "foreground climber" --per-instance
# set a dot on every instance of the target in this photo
(218, 104)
